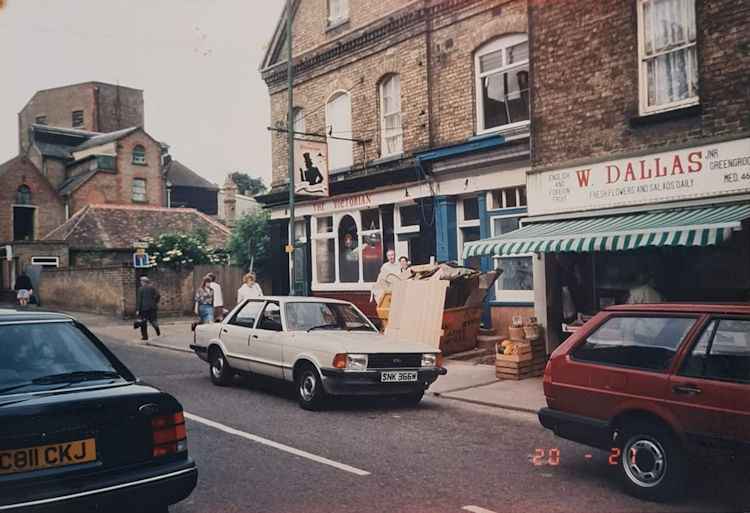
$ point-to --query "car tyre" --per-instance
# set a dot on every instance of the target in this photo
(219, 369)
(651, 461)
(309, 389)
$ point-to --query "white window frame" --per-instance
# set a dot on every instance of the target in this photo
(517, 189)
(502, 43)
(643, 59)
(462, 222)
(503, 295)
(401, 247)
(145, 190)
(46, 261)
(139, 159)
(299, 120)
(390, 87)
(338, 11)
(342, 131)
(337, 285)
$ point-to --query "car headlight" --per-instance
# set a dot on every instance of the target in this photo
(430, 360)
(356, 361)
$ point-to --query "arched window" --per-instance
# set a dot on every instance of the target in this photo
(299, 120)
(391, 141)
(348, 250)
(23, 195)
(139, 154)
(502, 77)
(339, 124)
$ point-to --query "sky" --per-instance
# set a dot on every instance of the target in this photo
(195, 60)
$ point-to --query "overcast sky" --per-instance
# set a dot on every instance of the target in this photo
(195, 60)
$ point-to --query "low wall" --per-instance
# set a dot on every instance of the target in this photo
(112, 289)
(97, 289)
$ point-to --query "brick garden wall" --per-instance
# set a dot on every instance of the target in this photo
(111, 290)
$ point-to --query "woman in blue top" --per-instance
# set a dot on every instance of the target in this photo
(204, 302)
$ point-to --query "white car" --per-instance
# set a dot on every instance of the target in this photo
(325, 346)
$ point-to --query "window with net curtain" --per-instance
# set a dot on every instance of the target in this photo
(339, 124)
(668, 54)
(502, 76)
(338, 11)
(390, 116)
(23, 195)
(139, 154)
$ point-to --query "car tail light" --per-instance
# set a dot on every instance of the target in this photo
(168, 434)
(339, 361)
(439, 361)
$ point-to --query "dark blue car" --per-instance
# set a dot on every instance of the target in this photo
(78, 431)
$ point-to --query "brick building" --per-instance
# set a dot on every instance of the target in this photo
(90, 106)
(641, 160)
(434, 97)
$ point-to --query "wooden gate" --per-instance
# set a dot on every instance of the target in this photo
(228, 277)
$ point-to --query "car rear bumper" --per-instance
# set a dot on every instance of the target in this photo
(136, 491)
(586, 430)
(341, 382)
(201, 351)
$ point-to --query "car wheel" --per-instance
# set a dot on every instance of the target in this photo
(310, 393)
(651, 461)
(220, 371)
(411, 398)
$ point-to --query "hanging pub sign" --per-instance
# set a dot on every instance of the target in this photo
(701, 171)
(311, 167)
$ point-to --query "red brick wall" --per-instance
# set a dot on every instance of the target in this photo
(584, 60)
(49, 208)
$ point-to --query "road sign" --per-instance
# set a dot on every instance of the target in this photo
(140, 245)
(140, 260)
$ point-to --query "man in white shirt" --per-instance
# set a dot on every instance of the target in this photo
(218, 299)
(391, 266)
(644, 292)
(249, 288)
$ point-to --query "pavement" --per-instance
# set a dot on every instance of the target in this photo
(465, 381)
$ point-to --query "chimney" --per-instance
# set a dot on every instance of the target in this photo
(230, 202)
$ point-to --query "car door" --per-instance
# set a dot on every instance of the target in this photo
(235, 334)
(266, 342)
(710, 393)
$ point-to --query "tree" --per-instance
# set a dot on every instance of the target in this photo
(250, 233)
(179, 248)
(248, 185)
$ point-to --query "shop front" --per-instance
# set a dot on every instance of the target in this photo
(669, 226)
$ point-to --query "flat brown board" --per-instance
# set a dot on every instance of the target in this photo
(416, 312)
(499, 364)
(514, 357)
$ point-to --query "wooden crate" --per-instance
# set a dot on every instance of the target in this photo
(509, 367)
(503, 375)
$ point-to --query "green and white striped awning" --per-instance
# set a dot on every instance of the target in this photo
(689, 227)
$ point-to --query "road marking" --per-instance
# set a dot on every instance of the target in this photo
(477, 509)
(276, 445)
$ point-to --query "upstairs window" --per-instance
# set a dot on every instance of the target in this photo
(338, 11)
(77, 119)
(338, 130)
(23, 195)
(502, 83)
(139, 190)
(299, 120)
(667, 53)
(390, 108)
(139, 155)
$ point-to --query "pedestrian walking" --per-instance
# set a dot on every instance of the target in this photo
(23, 289)
(250, 288)
(147, 305)
(204, 302)
(218, 298)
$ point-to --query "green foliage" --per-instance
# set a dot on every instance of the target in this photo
(248, 185)
(179, 248)
(251, 228)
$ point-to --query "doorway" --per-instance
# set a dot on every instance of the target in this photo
(23, 222)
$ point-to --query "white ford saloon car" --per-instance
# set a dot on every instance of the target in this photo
(325, 346)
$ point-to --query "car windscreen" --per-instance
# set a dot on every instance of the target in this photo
(308, 316)
(40, 356)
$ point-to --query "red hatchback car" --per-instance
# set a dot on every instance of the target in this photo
(660, 385)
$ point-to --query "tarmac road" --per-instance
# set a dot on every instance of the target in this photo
(257, 451)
